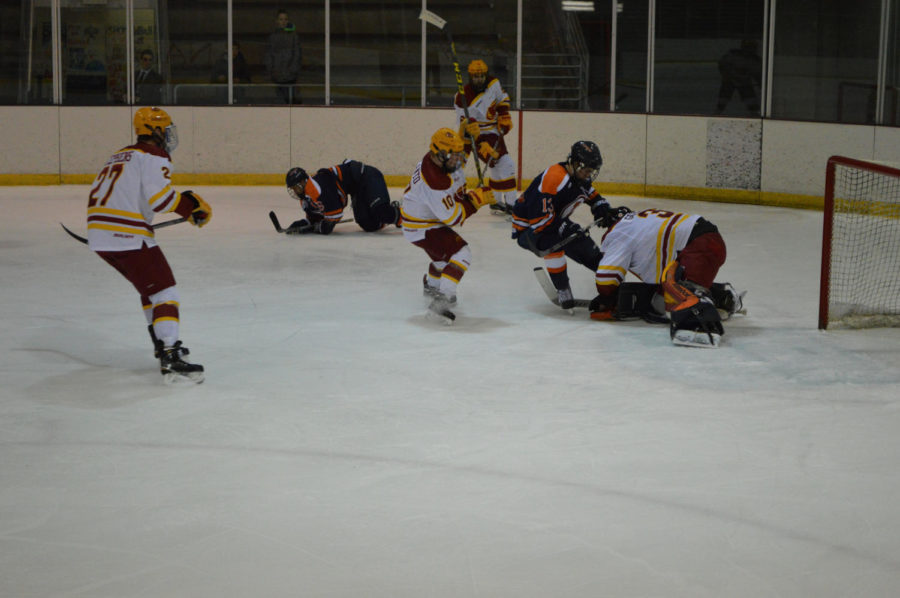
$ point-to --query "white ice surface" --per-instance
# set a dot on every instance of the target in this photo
(344, 446)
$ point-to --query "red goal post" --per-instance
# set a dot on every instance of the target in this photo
(860, 280)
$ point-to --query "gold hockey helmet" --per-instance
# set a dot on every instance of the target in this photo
(478, 67)
(448, 149)
(156, 122)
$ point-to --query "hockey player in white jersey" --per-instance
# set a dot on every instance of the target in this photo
(489, 120)
(435, 200)
(678, 254)
(133, 186)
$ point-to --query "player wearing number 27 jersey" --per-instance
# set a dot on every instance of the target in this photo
(133, 186)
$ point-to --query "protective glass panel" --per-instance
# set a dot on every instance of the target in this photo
(488, 35)
(631, 56)
(185, 40)
(26, 72)
(92, 53)
(376, 52)
(707, 57)
(825, 60)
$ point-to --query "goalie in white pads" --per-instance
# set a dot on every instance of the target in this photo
(133, 186)
(677, 254)
(435, 200)
(488, 122)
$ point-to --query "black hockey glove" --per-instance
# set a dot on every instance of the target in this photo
(299, 227)
(567, 228)
(599, 208)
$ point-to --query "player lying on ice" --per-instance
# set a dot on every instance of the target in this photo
(324, 196)
(677, 254)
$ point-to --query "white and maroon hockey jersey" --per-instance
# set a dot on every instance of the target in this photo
(135, 184)
(642, 243)
(433, 198)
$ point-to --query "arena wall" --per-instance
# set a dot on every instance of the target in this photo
(743, 160)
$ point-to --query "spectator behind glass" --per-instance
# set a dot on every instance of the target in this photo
(147, 82)
(240, 73)
(239, 70)
(283, 57)
(741, 70)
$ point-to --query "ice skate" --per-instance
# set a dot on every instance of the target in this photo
(174, 368)
(440, 309)
(566, 299)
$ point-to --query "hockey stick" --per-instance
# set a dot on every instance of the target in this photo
(430, 17)
(277, 224)
(544, 280)
(154, 227)
(556, 247)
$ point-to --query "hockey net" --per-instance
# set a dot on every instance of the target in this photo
(860, 283)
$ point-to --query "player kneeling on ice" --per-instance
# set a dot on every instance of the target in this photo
(324, 196)
(435, 200)
(133, 186)
(541, 217)
(677, 254)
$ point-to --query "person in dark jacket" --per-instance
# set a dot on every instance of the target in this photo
(283, 58)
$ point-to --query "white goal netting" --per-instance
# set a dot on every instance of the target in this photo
(860, 285)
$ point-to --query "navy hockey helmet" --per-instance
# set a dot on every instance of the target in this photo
(295, 180)
(586, 155)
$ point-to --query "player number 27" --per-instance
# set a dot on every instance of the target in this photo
(113, 172)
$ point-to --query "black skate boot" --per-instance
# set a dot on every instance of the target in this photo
(158, 344)
(174, 368)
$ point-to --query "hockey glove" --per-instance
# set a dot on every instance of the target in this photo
(299, 227)
(567, 228)
(202, 213)
(472, 129)
(481, 196)
(601, 308)
(599, 208)
(487, 152)
(504, 123)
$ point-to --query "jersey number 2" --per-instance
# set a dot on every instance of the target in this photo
(114, 173)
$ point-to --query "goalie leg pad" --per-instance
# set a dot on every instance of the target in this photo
(697, 325)
(727, 299)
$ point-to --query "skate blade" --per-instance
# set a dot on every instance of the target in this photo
(174, 378)
(702, 340)
(446, 318)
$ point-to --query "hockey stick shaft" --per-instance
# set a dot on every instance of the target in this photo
(154, 227)
(556, 247)
(430, 17)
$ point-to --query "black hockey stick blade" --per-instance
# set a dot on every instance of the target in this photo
(154, 227)
(275, 222)
(73, 235)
